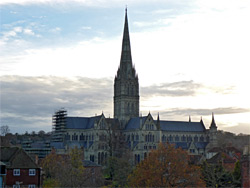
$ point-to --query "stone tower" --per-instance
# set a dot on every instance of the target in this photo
(126, 85)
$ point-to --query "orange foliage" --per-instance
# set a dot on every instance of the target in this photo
(166, 167)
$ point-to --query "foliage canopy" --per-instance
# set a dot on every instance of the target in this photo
(166, 167)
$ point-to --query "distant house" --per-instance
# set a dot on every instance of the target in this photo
(228, 156)
(93, 172)
(21, 170)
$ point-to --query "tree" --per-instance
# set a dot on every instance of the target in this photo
(117, 166)
(75, 176)
(115, 140)
(237, 175)
(41, 133)
(5, 130)
(66, 170)
(48, 183)
(166, 167)
(52, 165)
(117, 171)
(216, 175)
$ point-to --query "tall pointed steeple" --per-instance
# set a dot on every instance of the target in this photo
(126, 69)
(126, 50)
(126, 86)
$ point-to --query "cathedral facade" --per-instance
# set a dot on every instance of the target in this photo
(141, 134)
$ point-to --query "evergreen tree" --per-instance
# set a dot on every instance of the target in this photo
(117, 171)
(216, 176)
(237, 175)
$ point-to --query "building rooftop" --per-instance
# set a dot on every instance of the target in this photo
(15, 157)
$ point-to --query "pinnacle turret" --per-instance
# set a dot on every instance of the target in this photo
(213, 124)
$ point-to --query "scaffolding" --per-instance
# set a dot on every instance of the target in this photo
(58, 125)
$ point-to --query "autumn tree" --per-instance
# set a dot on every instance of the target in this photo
(66, 170)
(52, 165)
(166, 167)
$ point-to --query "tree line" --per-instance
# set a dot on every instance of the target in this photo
(166, 166)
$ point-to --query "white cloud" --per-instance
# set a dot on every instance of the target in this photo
(55, 30)
(80, 59)
(86, 28)
(28, 32)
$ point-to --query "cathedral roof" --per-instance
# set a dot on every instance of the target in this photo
(200, 145)
(171, 126)
(183, 126)
(134, 123)
(81, 122)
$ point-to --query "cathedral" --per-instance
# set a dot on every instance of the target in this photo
(141, 133)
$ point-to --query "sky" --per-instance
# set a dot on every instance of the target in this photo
(191, 58)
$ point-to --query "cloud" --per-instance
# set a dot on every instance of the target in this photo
(28, 32)
(55, 30)
(239, 128)
(86, 28)
(12, 33)
(175, 89)
(30, 101)
(204, 112)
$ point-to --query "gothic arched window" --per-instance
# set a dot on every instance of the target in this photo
(128, 138)
(67, 136)
(207, 138)
(132, 107)
(138, 158)
(128, 108)
(177, 138)
(183, 138)
(189, 139)
(170, 138)
(137, 137)
(196, 138)
(201, 139)
(99, 158)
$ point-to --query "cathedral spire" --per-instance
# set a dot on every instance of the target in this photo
(126, 67)
(126, 84)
